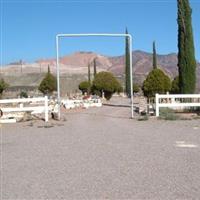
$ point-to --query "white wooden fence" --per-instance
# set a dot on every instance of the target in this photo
(34, 105)
(177, 100)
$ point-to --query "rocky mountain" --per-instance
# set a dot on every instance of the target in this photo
(142, 64)
(77, 63)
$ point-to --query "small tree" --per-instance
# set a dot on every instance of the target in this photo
(3, 86)
(175, 86)
(48, 84)
(85, 86)
(156, 82)
(107, 83)
(136, 88)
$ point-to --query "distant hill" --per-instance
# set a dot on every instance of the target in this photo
(76, 64)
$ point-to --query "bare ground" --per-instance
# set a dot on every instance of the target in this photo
(100, 153)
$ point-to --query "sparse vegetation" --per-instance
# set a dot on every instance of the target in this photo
(107, 83)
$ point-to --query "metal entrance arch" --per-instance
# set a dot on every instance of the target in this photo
(91, 35)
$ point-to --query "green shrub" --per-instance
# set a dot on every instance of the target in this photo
(85, 87)
(23, 94)
(107, 83)
(48, 84)
(175, 86)
(3, 85)
(156, 82)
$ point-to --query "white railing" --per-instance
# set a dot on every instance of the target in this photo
(35, 105)
(176, 100)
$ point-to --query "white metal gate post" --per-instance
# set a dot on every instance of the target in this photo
(46, 109)
(131, 72)
(58, 75)
(157, 105)
(89, 35)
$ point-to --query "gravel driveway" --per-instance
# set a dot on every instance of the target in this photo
(101, 154)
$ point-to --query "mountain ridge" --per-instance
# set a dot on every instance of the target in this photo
(77, 63)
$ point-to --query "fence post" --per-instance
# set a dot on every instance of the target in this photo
(157, 105)
(46, 109)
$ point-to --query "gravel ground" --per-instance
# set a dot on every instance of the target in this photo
(100, 153)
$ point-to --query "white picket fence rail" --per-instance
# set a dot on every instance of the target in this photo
(176, 100)
(35, 105)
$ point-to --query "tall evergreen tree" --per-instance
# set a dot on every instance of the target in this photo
(154, 56)
(127, 66)
(95, 66)
(48, 70)
(186, 52)
(89, 75)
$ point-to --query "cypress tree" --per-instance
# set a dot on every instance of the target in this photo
(154, 56)
(127, 66)
(186, 52)
(95, 67)
(48, 70)
(89, 78)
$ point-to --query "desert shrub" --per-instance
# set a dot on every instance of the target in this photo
(48, 84)
(107, 83)
(143, 118)
(156, 82)
(3, 86)
(175, 86)
(23, 94)
(168, 114)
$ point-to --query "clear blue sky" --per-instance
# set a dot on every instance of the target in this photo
(28, 28)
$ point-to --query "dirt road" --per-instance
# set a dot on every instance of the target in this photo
(100, 153)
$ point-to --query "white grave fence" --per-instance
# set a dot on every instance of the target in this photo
(182, 101)
(33, 105)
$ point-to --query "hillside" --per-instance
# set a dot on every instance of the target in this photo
(75, 65)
